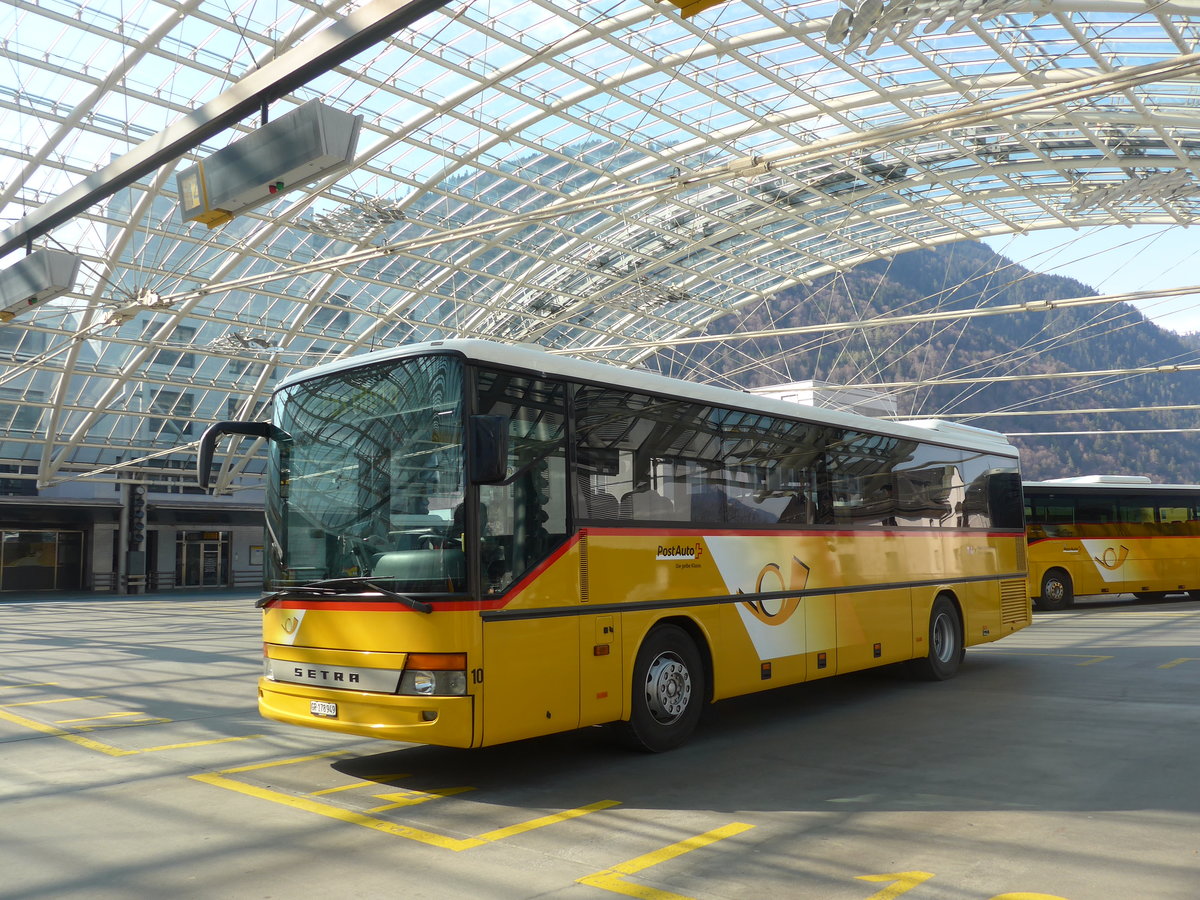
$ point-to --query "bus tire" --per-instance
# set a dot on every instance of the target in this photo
(668, 690)
(1057, 592)
(946, 649)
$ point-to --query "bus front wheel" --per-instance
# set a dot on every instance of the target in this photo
(668, 690)
(1057, 592)
(946, 648)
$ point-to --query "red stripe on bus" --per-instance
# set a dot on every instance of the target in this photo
(906, 531)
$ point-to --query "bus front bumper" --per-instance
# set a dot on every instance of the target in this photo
(444, 721)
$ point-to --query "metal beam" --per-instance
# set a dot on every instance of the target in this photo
(320, 53)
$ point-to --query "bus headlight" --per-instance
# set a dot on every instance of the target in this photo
(434, 675)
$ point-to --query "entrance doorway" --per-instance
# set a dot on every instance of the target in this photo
(202, 559)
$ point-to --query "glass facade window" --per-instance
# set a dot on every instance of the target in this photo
(202, 558)
(174, 403)
(183, 334)
(18, 487)
(41, 561)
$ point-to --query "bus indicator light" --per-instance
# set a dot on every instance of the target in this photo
(764, 671)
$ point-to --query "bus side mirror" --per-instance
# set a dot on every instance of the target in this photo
(489, 449)
(208, 442)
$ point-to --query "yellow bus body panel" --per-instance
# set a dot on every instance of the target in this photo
(558, 652)
(373, 715)
(1110, 563)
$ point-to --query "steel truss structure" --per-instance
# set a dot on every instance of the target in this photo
(598, 177)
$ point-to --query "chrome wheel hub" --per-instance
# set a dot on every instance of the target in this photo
(668, 688)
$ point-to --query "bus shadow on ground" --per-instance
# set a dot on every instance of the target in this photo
(1106, 601)
(1001, 736)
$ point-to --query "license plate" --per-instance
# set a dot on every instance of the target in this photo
(323, 708)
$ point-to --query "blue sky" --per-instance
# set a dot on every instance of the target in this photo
(1115, 259)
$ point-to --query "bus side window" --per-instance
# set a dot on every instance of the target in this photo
(649, 452)
(527, 513)
(594, 470)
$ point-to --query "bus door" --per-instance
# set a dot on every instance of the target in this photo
(601, 681)
(531, 641)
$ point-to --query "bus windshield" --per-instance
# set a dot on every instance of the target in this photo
(371, 478)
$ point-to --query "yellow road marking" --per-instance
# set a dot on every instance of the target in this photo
(378, 779)
(501, 833)
(283, 762)
(55, 700)
(13, 687)
(153, 720)
(185, 746)
(54, 731)
(95, 718)
(412, 798)
(902, 883)
(613, 879)
(1176, 662)
(219, 779)
(1156, 615)
(108, 749)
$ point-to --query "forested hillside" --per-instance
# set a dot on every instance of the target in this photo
(966, 276)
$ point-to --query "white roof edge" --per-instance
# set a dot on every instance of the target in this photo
(1102, 479)
(942, 426)
(537, 359)
(1118, 482)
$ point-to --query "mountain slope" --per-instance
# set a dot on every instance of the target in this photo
(962, 277)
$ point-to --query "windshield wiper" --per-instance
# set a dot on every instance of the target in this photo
(331, 587)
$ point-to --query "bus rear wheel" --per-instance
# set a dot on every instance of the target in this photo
(946, 648)
(1057, 592)
(668, 690)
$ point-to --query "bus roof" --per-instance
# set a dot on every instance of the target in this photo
(1108, 484)
(538, 360)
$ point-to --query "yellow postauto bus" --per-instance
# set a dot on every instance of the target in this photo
(1111, 534)
(471, 543)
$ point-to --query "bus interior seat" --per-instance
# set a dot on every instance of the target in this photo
(603, 505)
(422, 565)
(645, 504)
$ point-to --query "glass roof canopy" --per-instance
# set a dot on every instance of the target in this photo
(598, 178)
